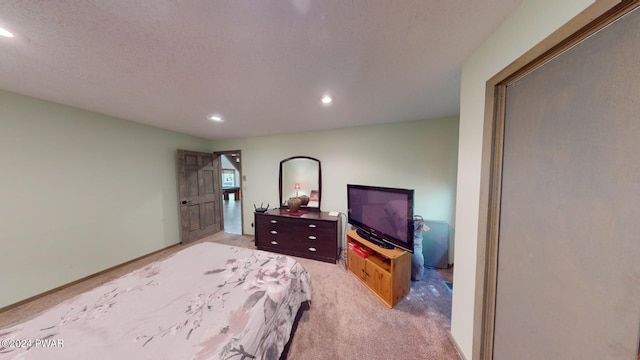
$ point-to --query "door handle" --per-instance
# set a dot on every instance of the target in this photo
(185, 202)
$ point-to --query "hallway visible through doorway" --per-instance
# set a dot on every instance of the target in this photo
(231, 172)
(232, 212)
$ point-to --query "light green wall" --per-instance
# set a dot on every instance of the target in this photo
(80, 192)
(83, 191)
(420, 155)
(529, 24)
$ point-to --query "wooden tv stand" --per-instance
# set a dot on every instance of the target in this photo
(387, 273)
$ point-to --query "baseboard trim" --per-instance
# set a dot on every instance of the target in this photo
(64, 286)
(457, 347)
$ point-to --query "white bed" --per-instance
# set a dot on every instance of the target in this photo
(208, 301)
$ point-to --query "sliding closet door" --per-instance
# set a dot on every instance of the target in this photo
(568, 279)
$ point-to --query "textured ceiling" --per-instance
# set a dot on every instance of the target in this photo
(261, 64)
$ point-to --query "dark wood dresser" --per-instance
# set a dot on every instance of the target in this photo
(313, 235)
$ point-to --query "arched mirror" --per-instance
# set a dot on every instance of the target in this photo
(300, 176)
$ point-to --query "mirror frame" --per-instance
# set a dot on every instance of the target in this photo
(304, 207)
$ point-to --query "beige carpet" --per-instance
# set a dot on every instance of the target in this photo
(344, 321)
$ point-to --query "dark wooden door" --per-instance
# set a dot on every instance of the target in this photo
(198, 188)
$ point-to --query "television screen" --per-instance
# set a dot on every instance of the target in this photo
(382, 214)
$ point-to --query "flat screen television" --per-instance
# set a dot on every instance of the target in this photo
(382, 215)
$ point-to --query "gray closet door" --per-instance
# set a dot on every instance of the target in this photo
(568, 284)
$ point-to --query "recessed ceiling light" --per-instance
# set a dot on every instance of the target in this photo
(5, 33)
(215, 117)
(326, 100)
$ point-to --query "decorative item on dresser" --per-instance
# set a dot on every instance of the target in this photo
(294, 204)
(312, 235)
(304, 200)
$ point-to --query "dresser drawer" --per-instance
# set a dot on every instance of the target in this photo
(278, 239)
(317, 228)
(317, 247)
(269, 229)
(316, 237)
(305, 237)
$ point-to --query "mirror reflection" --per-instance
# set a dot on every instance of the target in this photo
(300, 177)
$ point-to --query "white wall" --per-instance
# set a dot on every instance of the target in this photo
(80, 192)
(529, 24)
(420, 155)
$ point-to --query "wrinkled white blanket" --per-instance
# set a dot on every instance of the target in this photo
(208, 301)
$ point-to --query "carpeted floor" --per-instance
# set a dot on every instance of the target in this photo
(344, 321)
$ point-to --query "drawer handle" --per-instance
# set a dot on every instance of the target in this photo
(274, 243)
(311, 237)
(312, 249)
(273, 221)
(274, 232)
(312, 226)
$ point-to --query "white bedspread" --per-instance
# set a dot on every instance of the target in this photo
(208, 301)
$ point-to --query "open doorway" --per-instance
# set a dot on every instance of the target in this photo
(231, 190)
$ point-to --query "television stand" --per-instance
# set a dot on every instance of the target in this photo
(386, 273)
(365, 235)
